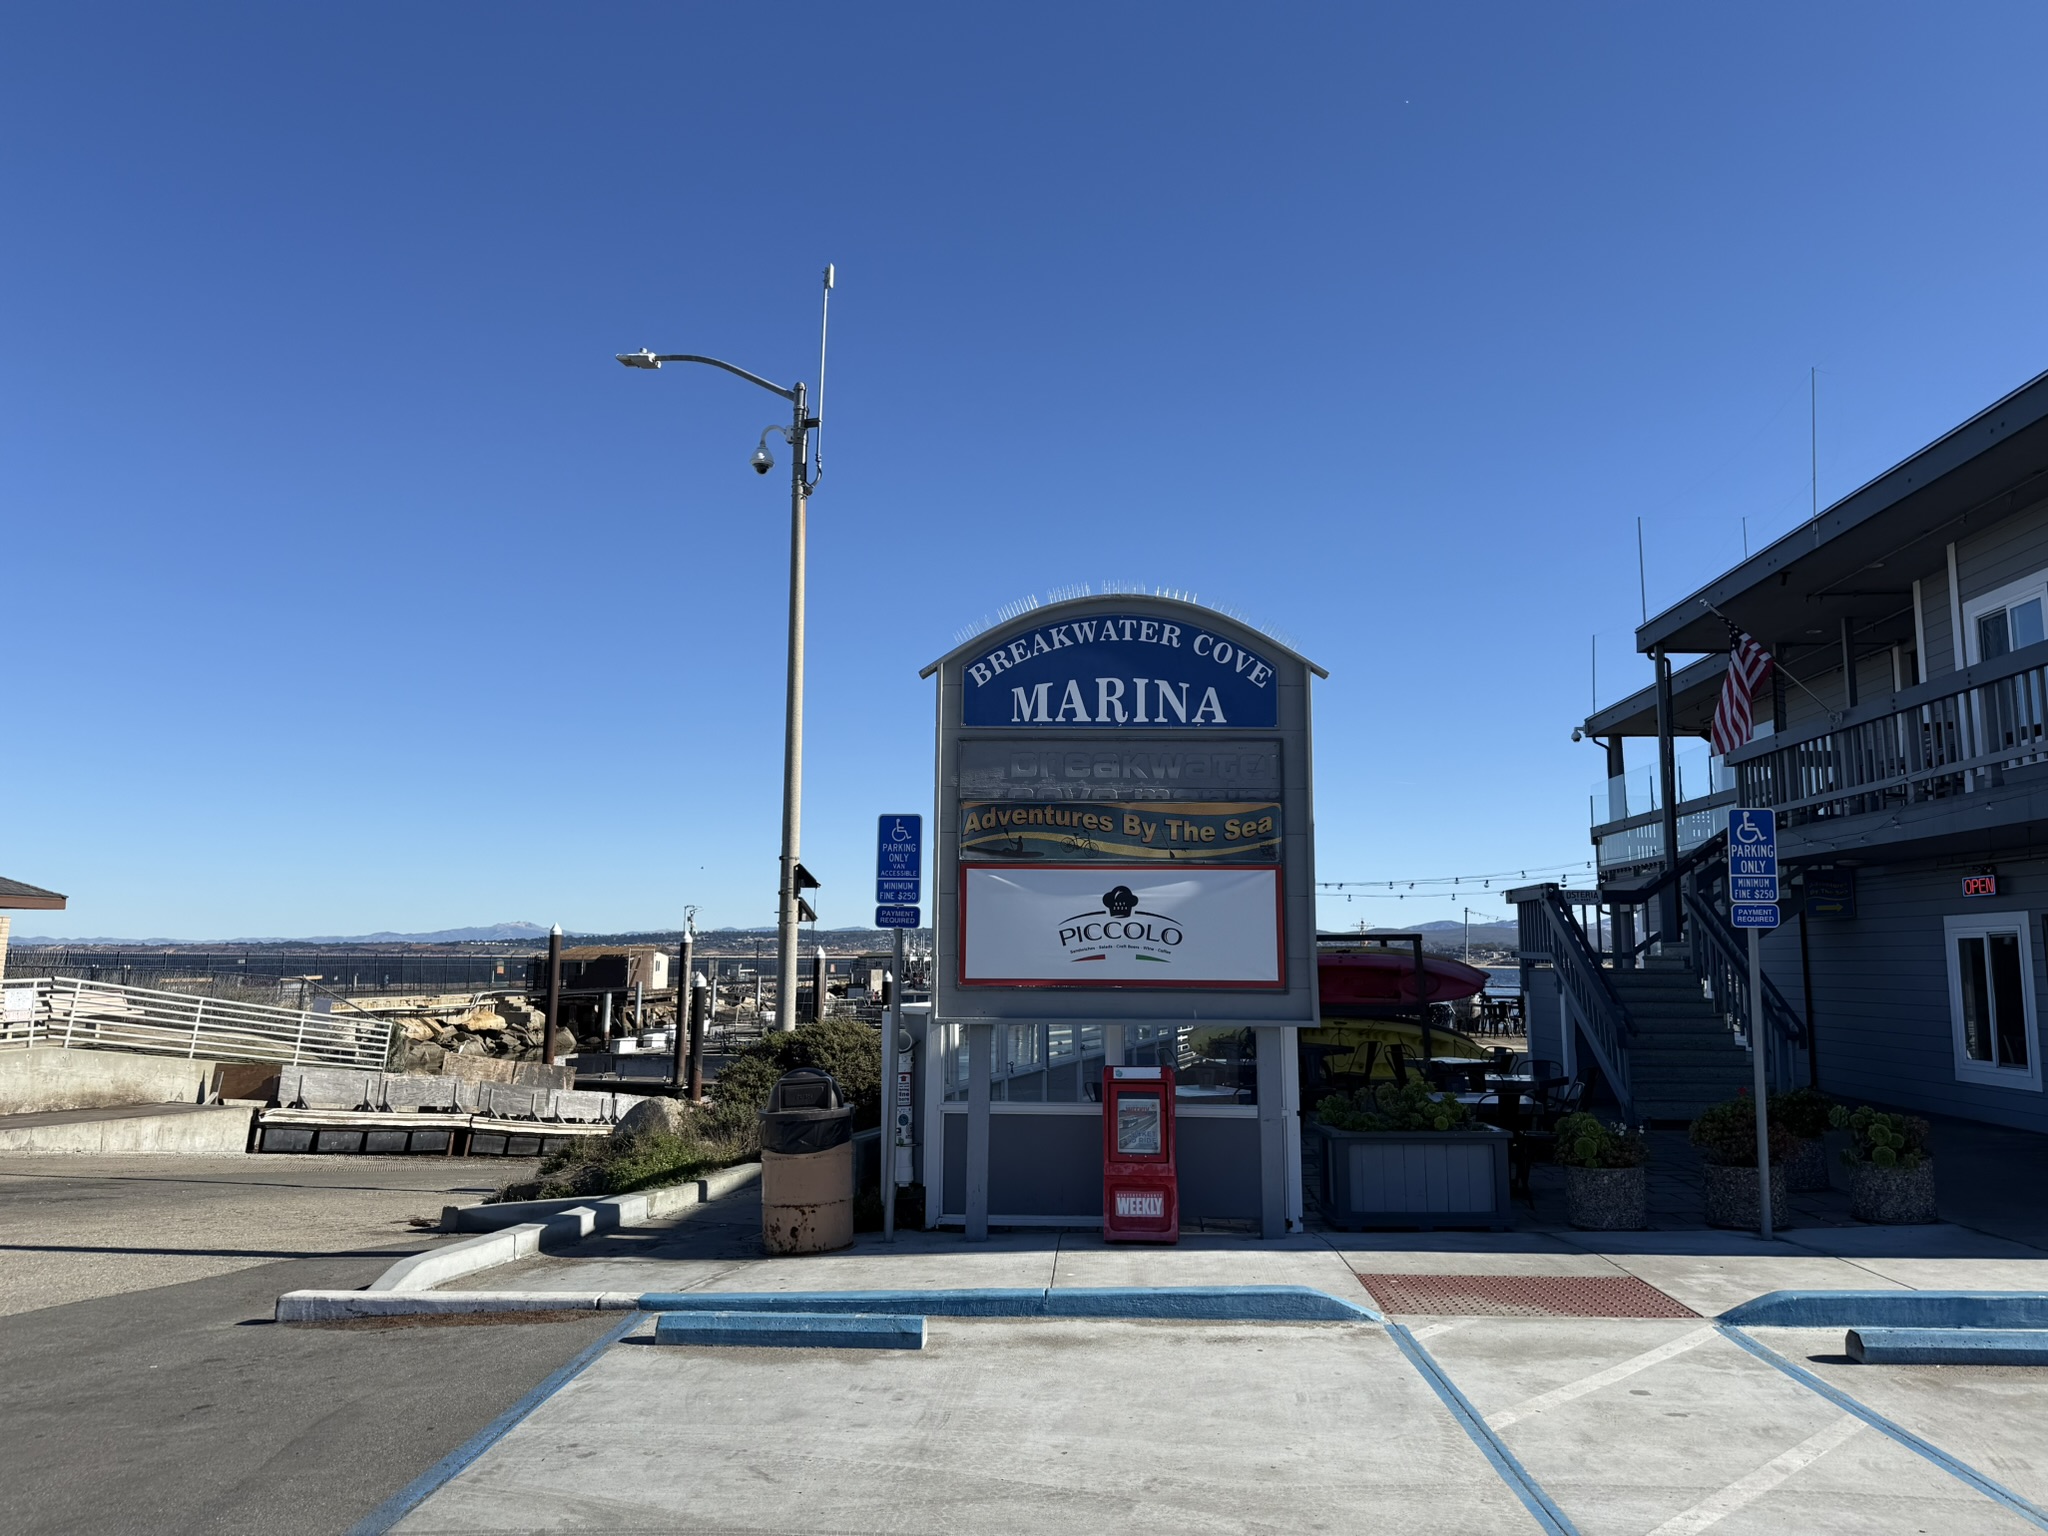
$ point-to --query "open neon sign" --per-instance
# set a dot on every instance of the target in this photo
(1980, 885)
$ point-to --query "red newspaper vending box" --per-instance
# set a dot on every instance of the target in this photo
(1140, 1191)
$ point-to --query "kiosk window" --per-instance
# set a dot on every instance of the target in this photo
(1137, 1124)
(1062, 1063)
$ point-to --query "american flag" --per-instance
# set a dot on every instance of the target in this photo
(1749, 664)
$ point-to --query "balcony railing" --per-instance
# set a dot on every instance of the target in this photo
(1960, 735)
(1639, 840)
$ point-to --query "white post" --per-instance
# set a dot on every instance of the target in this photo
(892, 1035)
(1756, 1062)
(198, 1013)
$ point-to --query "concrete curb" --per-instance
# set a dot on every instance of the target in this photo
(611, 1212)
(790, 1330)
(1194, 1303)
(1206, 1303)
(1948, 1346)
(344, 1306)
(1892, 1309)
(561, 1223)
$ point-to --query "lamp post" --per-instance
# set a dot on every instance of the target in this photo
(804, 434)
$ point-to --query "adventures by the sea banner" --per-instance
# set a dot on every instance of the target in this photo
(1201, 832)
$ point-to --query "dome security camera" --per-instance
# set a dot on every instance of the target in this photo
(1578, 734)
(763, 460)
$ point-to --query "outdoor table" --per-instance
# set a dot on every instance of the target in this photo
(1512, 1088)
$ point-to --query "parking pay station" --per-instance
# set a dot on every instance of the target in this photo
(1123, 924)
(1140, 1197)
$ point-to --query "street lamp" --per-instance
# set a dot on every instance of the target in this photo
(805, 438)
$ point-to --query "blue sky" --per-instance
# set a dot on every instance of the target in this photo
(348, 584)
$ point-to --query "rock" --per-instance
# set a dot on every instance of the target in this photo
(565, 1043)
(654, 1114)
(417, 1029)
(414, 1056)
(481, 1021)
(472, 1046)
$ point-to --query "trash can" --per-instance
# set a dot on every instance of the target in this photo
(806, 1165)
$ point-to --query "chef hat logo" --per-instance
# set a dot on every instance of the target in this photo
(1121, 901)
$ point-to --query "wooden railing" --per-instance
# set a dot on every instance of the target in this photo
(1964, 734)
(1601, 1015)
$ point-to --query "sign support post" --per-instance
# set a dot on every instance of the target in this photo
(1753, 906)
(899, 876)
(1756, 1062)
(892, 1058)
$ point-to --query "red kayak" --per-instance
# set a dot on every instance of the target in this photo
(1368, 978)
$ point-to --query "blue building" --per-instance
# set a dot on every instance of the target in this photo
(1903, 742)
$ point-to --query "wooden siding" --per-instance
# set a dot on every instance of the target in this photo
(2010, 548)
(1941, 646)
(1880, 989)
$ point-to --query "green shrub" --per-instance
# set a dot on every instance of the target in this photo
(617, 1165)
(848, 1049)
(1584, 1142)
(1726, 1134)
(1413, 1106)
(1880, 1139)
(1803, 1112)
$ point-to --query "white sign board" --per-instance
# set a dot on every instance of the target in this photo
(1109, 925)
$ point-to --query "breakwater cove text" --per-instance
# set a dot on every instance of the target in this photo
(1119, 671)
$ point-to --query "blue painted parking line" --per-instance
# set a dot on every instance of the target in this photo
(1961, 1470)
(1192, 1303)
(1892, 1309)
(1512, 1472)
(790, 1330)
(414, 1493)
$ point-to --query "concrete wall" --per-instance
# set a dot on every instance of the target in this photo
(45, 1078)
(215, 1132)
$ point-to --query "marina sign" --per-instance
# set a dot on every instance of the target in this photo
(1120, 672)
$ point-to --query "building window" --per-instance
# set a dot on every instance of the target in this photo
(1991, 999)
(2007, 620)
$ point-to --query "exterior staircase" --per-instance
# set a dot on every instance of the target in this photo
(1683, 1055)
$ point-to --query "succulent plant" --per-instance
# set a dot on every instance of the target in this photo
(1410, 1106)
(1881, 1139)
(1583, 1141)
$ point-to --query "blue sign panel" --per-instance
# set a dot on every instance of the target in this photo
(1752, 844)
(1752, 888)
(899, 847)
(899, 893)
(1120, 673)
(896, 917)
(1755, 914)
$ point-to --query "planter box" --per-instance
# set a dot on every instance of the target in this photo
(1806, 1170)
(1607, 1199)
(1893, 1196)
(1731, 1197)
(1423, 1179)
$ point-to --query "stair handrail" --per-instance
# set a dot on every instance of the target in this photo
(1608, 1023)
(1704, 852)
(1730, 953)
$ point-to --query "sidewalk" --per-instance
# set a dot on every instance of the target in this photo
(716, 1247)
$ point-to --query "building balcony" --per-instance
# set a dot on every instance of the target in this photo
(1965, 754)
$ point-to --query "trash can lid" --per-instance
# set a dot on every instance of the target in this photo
(806, 1088)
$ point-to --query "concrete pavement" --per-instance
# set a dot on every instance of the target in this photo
(1603, 1425)
(143, 1387)
(73, 1228)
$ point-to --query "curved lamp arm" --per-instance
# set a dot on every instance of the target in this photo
(647, 359)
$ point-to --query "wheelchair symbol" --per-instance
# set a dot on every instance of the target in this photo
(1747, 831)
(899, 833)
